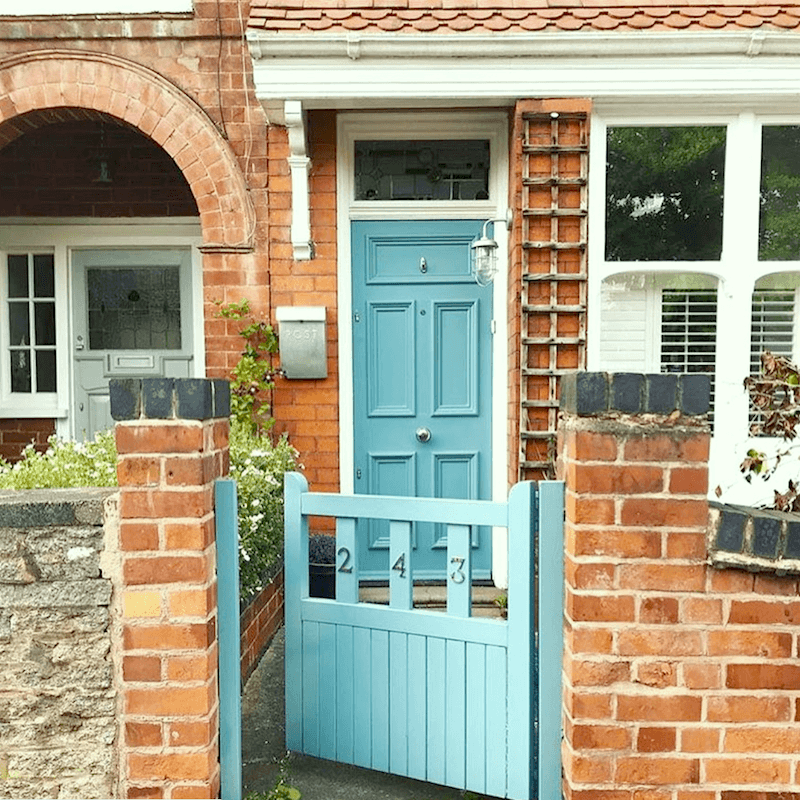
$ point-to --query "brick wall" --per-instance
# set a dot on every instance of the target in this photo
(15, 434)
(58, 695)
(680, 679)
(308, 410)
(258, 623)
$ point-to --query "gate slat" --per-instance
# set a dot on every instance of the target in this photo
(459, 571)
(362, 683)
(344, 693)
(496, 721)
(417, 706)
(476, 718)
(401, 583)
(455, 724)
(311, 688)
(326, 683)
(380, 700)
(435, 735)
(346, 561)
(398, 701)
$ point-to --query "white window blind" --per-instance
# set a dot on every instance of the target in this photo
(689, 331)
(772, 325)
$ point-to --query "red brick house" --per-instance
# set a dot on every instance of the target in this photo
(167, 155)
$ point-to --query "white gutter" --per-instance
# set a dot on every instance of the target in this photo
(355, 46)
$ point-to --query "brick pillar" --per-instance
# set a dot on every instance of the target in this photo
(633, 452)
(172, 439)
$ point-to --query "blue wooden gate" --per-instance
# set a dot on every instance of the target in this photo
(446, 698)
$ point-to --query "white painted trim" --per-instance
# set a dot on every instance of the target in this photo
(61, 235)
(432, 125)
(355, 70)
(299, 168)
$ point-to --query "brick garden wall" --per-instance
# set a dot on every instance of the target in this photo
(681, 680)
(58, 694)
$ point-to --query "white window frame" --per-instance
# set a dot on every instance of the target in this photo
(737, 270)
(62, 236)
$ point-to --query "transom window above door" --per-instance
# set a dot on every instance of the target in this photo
(422, 169)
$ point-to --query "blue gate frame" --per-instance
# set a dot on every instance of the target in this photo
(445, 698)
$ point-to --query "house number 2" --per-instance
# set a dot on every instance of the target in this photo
(457, 575)
(345, 565)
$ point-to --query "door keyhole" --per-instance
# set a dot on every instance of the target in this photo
(423, 265)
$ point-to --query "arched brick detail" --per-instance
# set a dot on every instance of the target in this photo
(158, 108)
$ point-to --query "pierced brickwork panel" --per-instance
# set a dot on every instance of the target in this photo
(552, 255)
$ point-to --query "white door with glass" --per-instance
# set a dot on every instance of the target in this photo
(131, 318)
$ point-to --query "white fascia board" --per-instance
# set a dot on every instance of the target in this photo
(337, 71)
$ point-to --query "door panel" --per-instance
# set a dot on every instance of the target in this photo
(422, 363)
(131, 318)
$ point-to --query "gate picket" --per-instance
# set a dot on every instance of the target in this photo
(445, 698)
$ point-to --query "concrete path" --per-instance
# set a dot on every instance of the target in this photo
(263, 750)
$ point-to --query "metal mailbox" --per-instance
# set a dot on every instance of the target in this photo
(301, 338)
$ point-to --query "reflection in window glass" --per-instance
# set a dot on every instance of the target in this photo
(31, 323)
(422, 170)
(664, 193)
(779, 228)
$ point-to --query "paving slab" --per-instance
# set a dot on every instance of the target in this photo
(264, 751)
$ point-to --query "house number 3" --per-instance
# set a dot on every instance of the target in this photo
(457, 575)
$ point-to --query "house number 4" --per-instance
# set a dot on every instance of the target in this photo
(457, 575)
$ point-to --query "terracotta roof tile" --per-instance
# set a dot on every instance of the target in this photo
(443, 16)
(605, 22)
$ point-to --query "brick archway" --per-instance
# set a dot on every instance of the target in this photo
(153, 105)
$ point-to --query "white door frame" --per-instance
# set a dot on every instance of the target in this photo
(493, 126)
(61, 236)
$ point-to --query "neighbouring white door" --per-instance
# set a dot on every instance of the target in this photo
(131, 318)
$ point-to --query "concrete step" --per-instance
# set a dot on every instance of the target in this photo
(433, 597)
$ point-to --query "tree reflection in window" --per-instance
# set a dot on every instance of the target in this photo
(664, 193)
(779, 228)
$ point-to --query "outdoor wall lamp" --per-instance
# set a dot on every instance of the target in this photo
(484, 252)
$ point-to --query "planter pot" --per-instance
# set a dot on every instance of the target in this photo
(322, 580)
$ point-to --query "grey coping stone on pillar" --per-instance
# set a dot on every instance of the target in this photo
(695, 394)
(194, 398)
(125, 395)
(222, 398)
(157, 397)
(766, 535)
(792, 547)
(730, 532)
(584, 393)
(661, 393)
(627, 392)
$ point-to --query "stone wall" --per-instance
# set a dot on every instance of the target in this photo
(58, 694)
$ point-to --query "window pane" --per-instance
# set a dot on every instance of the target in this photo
(45, 370)
(422, 170)
(21, 370)
(45, 322)
(43, 276)
(19, 330)
(134, 309)
(779, 229)
(18, 276)
(664, 193)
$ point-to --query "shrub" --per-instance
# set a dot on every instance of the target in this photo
(257, 465)
(64, 464)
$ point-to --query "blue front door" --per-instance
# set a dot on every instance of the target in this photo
(422, 363)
